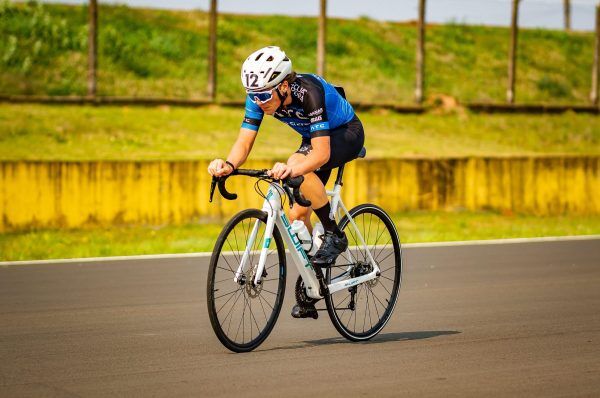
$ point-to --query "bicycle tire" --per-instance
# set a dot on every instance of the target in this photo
(249, 293)
(335, 308)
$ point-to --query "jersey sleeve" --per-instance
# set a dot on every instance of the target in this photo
(314, 108)
(253, 116)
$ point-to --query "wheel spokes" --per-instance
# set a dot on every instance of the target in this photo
(373, 300)
(241, 320)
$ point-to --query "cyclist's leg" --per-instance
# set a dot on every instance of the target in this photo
(346, 141)
(301, 213)
(310, 189)
(313, 189)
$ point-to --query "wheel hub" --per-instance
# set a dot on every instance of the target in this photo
(363, 268)
(252, 289)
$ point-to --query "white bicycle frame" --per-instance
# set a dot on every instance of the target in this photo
(276, 216)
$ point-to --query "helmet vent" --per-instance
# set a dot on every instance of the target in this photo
(258, 56)
(270, 58)
(274, 76)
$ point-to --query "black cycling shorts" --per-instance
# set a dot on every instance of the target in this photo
(345, 143)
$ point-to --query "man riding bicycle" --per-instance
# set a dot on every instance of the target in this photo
(331, 134)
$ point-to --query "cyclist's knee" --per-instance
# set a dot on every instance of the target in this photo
(301, 213)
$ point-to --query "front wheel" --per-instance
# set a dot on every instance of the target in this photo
(241, 313)
(361, 311)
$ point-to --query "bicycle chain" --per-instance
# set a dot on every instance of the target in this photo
(301, 298)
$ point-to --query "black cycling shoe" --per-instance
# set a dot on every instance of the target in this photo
(309, 311)
(331, 247)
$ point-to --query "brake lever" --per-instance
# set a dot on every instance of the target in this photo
(295, 183)
(289, 195)
(300, 199)
(213, 184)
(220, 182)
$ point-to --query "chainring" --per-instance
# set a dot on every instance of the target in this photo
(301, 297)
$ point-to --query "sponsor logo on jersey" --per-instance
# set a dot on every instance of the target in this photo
(319, 126)
(298, 91)
(316, 112)
(253, 122)
(316, 119)
(292, 113)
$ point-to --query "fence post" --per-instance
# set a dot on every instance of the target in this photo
(321, 40)
(420, 56)
(212, 51)
(512, 62)
(596, 67)
(567, 14)
(92, 47)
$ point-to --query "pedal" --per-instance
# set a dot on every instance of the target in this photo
(303, 312)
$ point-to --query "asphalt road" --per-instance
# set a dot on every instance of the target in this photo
(498, 320)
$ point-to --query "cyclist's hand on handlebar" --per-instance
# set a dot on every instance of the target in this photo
(280, 171)
(219, 168)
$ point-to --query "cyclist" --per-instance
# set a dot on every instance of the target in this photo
(331, 134)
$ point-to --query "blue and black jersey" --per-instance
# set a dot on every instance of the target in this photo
(316, 108)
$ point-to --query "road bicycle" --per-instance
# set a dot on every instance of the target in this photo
(247, 274)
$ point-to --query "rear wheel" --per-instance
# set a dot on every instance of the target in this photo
(361, 311)
(241, 313)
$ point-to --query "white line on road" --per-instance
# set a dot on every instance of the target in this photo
(208, 254)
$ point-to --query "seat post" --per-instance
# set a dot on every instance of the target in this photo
(338, 179)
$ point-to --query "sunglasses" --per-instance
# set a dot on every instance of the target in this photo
(263, 96)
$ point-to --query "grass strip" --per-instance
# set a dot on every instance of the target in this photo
(45, 132)
(198, 237)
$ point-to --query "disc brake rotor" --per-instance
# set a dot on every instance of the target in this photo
(251, 289)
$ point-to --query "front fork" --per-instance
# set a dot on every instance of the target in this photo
(245, 262)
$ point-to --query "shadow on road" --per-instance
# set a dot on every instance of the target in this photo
(381, 338)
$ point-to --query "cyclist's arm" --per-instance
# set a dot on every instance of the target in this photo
(241, 148)
(250, 125)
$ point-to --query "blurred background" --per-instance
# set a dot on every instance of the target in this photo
(481, 117)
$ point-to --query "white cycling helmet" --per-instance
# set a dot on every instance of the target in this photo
(264, 69)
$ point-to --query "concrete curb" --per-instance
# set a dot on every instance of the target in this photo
(208, 254)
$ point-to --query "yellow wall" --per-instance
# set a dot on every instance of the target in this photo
(72, 194)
